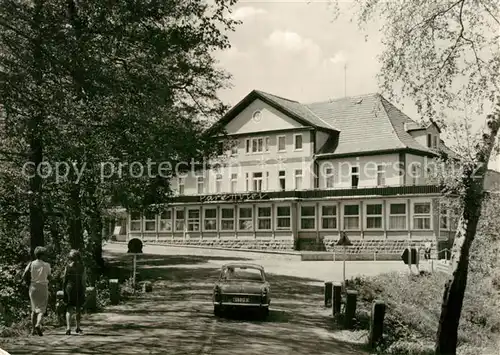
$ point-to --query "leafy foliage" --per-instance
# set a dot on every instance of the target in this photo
(442, 54)
(87, 83)
(445, 57)
(413, 303)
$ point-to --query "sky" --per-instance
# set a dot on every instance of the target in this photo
(296, 50)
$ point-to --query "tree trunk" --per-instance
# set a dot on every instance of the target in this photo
(35, 144)
(55, 236)
(76, 228)
(75, 219)
(446, 342)
(36, 199)
(96, 240)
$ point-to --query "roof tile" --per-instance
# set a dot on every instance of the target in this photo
(367, 123)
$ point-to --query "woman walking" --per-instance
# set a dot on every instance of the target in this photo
(74, 288)
(38, 273)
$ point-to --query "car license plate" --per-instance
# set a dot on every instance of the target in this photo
(241, 300)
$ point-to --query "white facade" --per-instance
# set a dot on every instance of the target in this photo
(275, 186)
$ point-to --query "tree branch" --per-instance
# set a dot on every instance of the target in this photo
(489, 12)
(436, 15)
(460, 37)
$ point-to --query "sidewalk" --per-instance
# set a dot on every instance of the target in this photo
(177, 317)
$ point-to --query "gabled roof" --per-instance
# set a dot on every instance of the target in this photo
(292, 109)
(367, 123)
(414, 126)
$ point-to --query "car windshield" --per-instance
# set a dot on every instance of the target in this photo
(242, 273)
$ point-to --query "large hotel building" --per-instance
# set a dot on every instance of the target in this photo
(295, 176)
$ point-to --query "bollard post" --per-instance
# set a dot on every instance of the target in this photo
(60, 306)
(376, 323)
(147, 286)
(328, 294)
(337, 298)
(91, 299)
(114, 291)
(350, 308)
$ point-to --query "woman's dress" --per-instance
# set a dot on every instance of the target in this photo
(74, 290)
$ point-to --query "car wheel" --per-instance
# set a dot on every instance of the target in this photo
(217, 310)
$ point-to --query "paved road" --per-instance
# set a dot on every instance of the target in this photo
(177, 318)
(288, 265)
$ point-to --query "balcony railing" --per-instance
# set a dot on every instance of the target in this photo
(310, 194)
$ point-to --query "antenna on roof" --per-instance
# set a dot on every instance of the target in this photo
(345, 79)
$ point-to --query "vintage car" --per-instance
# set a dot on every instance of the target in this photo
(242, 285)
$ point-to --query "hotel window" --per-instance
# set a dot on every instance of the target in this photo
(283, 217)
(449, 219)
(397, 216)
(281, 143)
(257, 181)
(234, 148)
(257, 145)
(218, 183)
(297, 141)
(227, 219)
(247, 146)
(200, 184)
(298, 179)
(354, 177)
(268, 144)
(307, 217)
(380, 175)
(194, 220)
(210, 219)
(247, 182)
(351, 216)
(166, 220)
(374, 216)
(282, 180)
(135, 221)
(414, 174)
(329, 217)
(264, 218)
(429, 140)
(179, 220)
(245, 220)
(181, 185)
(234, 182)
(149, 221)
(422, 215)
(329, 178)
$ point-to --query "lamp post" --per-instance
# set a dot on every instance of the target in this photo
(344, 241)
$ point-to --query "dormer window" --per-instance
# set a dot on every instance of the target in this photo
(429, 140)
(435, 142)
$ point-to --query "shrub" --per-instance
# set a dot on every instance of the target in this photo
(414, 306)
